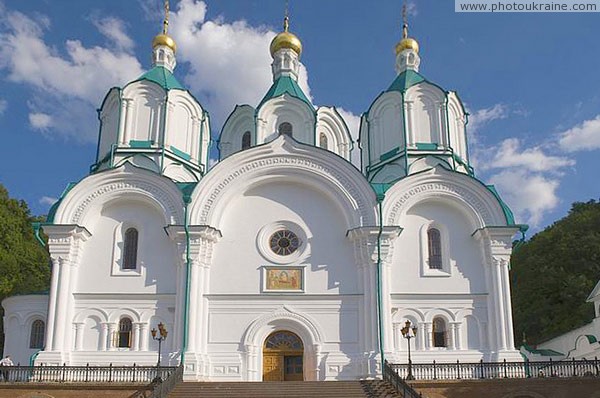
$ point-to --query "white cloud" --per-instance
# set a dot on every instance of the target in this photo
(510, 154)
(526, 177)
(223, 58)
(114, 30)
(40, 121)
(3, 106)
(481, 117)
(530, 195)
(583, 137)
(47, 200)
(79, 79)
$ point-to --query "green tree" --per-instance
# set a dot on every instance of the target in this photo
(554, 272)
(24, 263)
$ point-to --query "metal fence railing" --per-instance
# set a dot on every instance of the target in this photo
(493, 370)
(85, 374)
(392, 377)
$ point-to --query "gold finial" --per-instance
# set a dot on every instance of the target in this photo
(164, 39)
(286, 24)
(286, 39)
(404, 22)
(166, 20)
(407, 43)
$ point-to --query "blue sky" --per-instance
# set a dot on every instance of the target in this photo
(530, 81)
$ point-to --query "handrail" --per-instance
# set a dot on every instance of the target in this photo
(392, 377)
(162, 388)
(86, 374)
(496, 370)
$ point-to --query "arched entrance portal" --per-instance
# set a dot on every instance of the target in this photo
(283, 357)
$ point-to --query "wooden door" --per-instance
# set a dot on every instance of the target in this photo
(272, 367)
(293, 368)
(283, 357)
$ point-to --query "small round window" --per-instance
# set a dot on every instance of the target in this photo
(284, 242)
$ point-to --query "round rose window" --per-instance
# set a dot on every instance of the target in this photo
(284, 242)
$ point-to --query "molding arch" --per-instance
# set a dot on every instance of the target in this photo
(400, 315)
(440, 312)
(325, 171)
(116, 315)
(84, 314)
(282, 319)
(126, 182)
(470, 195)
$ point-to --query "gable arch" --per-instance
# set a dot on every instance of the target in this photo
(97, 190)
(470, 196)
(293, 161)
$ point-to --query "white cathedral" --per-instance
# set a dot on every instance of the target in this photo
(284, 261)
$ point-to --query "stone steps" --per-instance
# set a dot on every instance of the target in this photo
(287, 389)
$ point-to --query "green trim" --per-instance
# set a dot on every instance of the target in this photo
(426, 146)
(379, 281)
(180, 153)
(508, 214)
(406, 79)
(285, 85)
(163, 77)
(54, 207)
(186, 190)
(389, 154)
(141, 144)
(36, 231)
(543, 352)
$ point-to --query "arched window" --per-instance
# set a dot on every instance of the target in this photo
(285, 128)
(130, 246)
(323, 141)
(124, 337)
(439, 332)
(435, 248)
(36, 337)
(246, 140)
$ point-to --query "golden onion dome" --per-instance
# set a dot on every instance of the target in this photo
(286, 39)
(164, 40)
(407, 43)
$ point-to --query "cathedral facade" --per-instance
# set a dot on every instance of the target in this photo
(283, 261)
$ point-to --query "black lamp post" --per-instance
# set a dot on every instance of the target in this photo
(162, 335)
(408, 333)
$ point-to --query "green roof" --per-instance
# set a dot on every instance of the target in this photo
(285, 85)
(508, 214)
(405, 80)
(543, 352)
(161, 76)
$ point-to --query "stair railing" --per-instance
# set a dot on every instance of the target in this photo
(162, 388)
(390, 375)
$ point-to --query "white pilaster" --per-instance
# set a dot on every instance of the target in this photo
(112, 336)
(65, 244)
(496, 250)
(366, 247)
(201, 240)
(104, 336)
(79, 335)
